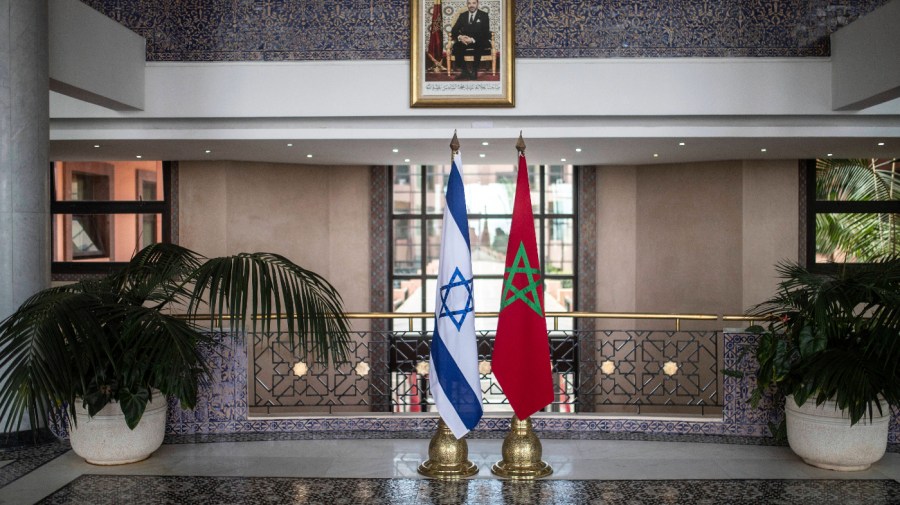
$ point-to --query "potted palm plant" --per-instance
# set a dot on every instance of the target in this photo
(832, 349)
(111, 350)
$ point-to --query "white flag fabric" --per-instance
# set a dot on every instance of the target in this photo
(454, 379)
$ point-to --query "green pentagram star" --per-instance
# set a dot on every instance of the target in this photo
(511, 293)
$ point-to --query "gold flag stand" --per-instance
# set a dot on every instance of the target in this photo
(521, 454)
(448, 457)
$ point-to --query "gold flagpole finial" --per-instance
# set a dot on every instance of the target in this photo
(520, 144)
(454, 144)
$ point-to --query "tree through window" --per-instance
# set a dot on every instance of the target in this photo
(854, 210)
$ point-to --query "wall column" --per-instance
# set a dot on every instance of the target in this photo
(24, 137)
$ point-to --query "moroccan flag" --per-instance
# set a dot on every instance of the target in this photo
(455, 381)
(521, 360)
(436, 39)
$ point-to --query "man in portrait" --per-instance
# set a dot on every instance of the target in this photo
(472, 30)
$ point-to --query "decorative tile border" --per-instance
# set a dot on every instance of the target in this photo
(586, 201)
(379, 234)
(222, 410)
(27, 456)
(279, 30)
(478, 434)
(149, 489)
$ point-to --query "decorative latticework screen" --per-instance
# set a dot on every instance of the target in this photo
(663, 372)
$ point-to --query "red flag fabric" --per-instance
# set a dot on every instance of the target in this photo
(436, 39)
(521, 359)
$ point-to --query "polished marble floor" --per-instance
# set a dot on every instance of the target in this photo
(384, 471)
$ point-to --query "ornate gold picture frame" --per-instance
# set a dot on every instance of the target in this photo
(462, 53)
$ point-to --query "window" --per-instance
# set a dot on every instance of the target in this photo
(853, 210)
(104, 212)
(89, 232)
(417, 217)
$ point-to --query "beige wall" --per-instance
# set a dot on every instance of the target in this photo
(771, 224)
(693, 238)
(616, 242)
(316, 216)
(700, 237)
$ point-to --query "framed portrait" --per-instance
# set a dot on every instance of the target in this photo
(462, 53)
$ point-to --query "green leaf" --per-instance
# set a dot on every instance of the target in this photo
(755, 329)
(811, 342)
(779, 431)
(803, 392)
(133, 404)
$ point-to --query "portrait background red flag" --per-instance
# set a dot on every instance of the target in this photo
(436, 39)
(521, 358)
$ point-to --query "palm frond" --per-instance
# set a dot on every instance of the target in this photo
(46, 346)
(262, 287)
(108, 340)
(156, 274)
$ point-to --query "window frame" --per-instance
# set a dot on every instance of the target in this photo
(61, 269)
(815, 206)
(543, 217)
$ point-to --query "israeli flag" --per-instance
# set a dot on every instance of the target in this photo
(454, 379)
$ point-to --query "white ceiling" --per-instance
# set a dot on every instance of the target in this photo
(501, 150)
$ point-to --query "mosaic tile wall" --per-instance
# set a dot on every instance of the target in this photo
(222, 409)
(273, 30)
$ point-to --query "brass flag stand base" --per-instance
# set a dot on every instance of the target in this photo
(448, 458)
(521, 454)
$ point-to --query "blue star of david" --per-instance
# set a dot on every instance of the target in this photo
(458, 315)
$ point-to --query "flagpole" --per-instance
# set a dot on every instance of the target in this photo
(436, 13)
(448, 456)
(522, 449)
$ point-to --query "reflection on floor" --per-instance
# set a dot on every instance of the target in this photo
(354, 468)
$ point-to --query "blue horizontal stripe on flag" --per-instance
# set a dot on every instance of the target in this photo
(456, 202)
(454, 383)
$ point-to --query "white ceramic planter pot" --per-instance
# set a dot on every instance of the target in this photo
(106, 440)
(823, 437)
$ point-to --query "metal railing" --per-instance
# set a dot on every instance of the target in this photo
(554, 316)
(624, 371)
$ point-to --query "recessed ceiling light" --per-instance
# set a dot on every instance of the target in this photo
(138, 156)
(762, 150)
(96, 145)
(485, 143)
(309, 155)
(577, 149)
(482, 155)
(406, 160)
(881, 143)
(829, 154)
(395, 150)
(655, 155)
(681, 143)
(562, 159)
(290, 145)
(208, 151)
